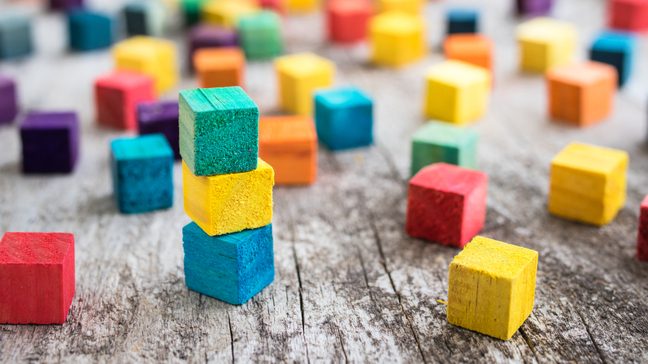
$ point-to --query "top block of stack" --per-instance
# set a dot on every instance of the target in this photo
(545, 43)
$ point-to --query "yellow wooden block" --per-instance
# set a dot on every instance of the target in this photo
(414, 7)
(299, 76)
(397, 39)
(588, 183)
(226, 13)
(545, 43)
(301, 6)
(227, 203)
(491, 287)
(456, 92)
(151, 56)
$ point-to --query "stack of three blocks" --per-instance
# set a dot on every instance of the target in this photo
(227, 193)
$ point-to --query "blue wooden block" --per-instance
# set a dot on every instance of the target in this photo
(231, 267)
(462, 21)
(616, 49)
(15, 35)
(344, 118)
(142, 172)
(89, 30)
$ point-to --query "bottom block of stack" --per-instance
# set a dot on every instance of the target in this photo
(231, 267)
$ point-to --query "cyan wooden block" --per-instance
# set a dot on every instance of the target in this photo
(462, 21)
(344, 118)
(142, 172)
(441, 142)
(144, 18)
(89, 30)
(260, 35)
(231, 267)
(616, 49)
(15, 35)
(219, 130)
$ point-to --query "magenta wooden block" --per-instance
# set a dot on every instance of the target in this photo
(65, 5)
(209, 36)
(642, 237)
(533, 7)
(160, 117)
(8, 100)
(50, 142)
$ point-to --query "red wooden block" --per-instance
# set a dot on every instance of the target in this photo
(275, 5)
(630, 15)
(446, 204)
(642, 236)
(348, 20)
(117, 95)
(37, 277)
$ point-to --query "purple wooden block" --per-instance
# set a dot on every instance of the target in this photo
(160, 117)
(209, 36)
(533, 7)
(50, 142)
(8, 100)
(65, 5)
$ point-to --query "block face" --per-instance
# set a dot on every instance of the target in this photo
(89, 30)
(491, 287)
(414, 7)
(642, 235)
(8, 100)
(227, 13)
(459, 21)
(219, 67)
(301, 6)
(260, 35)
(227, 203)
(142, 172)
(191, 11)
(150, 56)
(231, 267)
(144, 18)
(117, 96)
(38, 277)
(348, 21)
(616, 49)
(545, 43)
(344, 118)
(299, 76)
(440, 142)
(15, 35)
(210, 36)
(160, 117)
(397, 39)
(219, 131)
(470, 48)
(533, 7)
(628, 15)
(50, 142)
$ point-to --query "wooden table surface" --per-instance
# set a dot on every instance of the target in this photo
(350, 285)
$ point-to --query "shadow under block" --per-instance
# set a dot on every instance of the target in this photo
(117, 96)
(144, 18)
(642, 235)
(397, 39)
(232, 267)
(50, 142)
(226, 13)
(457, 92)
(8, 100)
(462, 21)
(588, 183)
(581, 94)
(260, 35)
(348, 21)
(38, 281)
(545, 43)
(446, 204)
(160, 117)
(142, 173)
(441, 142)
(301, 6)
(219, 67)
(533, 7)
(89, 30)
(491, 287)
(154, 57)
(227, 203)
(219, 131)
(15, 35)
(475, 49)
(629, 15)
(289, 145)
(344, 118)
(300, 75)
(413, 7)
(616, 49)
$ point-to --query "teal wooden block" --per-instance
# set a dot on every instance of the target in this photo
(260, 35)
(441, 142)
(15, 35)
(219, 130)
(144, 18)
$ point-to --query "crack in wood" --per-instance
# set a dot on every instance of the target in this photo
(589, 334)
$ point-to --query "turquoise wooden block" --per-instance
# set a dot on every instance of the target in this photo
(616, 49)
(344, 118)
(89, 30)
(260, 35)
(441, 142)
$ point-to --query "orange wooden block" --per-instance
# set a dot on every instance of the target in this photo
(470, 48)
(289, 145)
(219, 67)
(581, 94)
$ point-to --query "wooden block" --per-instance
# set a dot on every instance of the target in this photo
(89, 30)
(50, 142)
(260, 35)
(150, 56)
(301, 6)
(457, 92)
(588, 183)
(629, 15)
(210, 36)
(65, 5)
(144, 18)
(581, 94)
(219, 130)
(8, 100)
(441, 142)
(37, 285)
(142, 172)
(533, 7)
(344, 118)
(462, 21)
(117, 95)
(226, 13)
(232, 267)
(191, 11)
(475, 49)
(289, 145)
(545, 43)
(642, 236)
(616, 49)
(491, 287)
(227, 203)
(274, 5)
(397, 39)
(446, 204)
(160, 117)
(348, 21)
(413, 7)
(300, 75)
(220, 67)
(15, 35)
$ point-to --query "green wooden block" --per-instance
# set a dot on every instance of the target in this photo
(260, 35)
(219, 130)
(441, 142)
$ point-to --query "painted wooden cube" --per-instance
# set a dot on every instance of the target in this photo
(629, 15)
(533, 7)
(160, 117)
(144, 18)
(289, 145)
(437, 142)
(38, 280)
(260, 35)
(274, 5)
(491, 287)
(117, 95)
(50, 142)
(545, 43)
(462, 20)
(397, 39)
(220, 67)
(475, 49)
(413, 7)
(65, 5)
(150, 56)
(588, 183)
(191, 11)
(233, 267)
(300, 75)
(89, 30)
(15, 35)
(227, 203)
(210, 36)
(142, 173)
(344, 118)
(642, 235)
(457, 92)
(348, 21)
(301, 6)
(8, 100)
(616, 49)
(226, 13)
(446, 204)
(581, 94)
